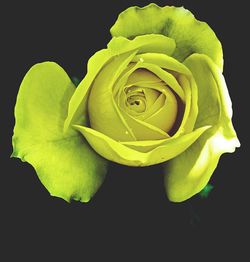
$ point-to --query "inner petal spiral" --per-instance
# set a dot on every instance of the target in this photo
(147, 98)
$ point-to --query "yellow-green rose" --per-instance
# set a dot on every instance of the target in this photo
(155, 95)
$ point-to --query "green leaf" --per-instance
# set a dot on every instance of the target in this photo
(204, 193)
(188, 173)
(64, 162)
(190, 35)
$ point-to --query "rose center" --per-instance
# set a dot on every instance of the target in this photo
(136, 100)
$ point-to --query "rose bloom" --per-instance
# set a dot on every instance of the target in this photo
(155, 95)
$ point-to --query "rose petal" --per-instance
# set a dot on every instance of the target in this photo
(155, 43)
(102, 109)
(191, 36)
(163, 61)
(65, 163)
(119, 153)
(189, 172)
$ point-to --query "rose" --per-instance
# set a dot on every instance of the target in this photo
(155, 95)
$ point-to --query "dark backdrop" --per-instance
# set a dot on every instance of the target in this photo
(130, 215)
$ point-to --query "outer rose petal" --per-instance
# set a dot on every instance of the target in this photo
(153, 43)
(188, 173)
(119, 153)
(65, 163)
(77, 110)
(191, 36)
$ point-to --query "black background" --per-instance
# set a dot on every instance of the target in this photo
(130, 216)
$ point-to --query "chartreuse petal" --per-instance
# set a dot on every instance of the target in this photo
(191, 107)
(184, 92)
(156, 106)
(191, 119)
(102, 108)
(155, 43)
(188, 173)
(163, 61)
(168, 78)
(119, 153)
(165, 117)
(143, 130)
(142, 76)
(78, 103)
(65, 163)
(190, 35)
